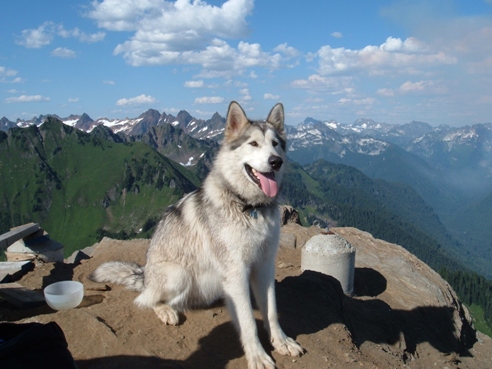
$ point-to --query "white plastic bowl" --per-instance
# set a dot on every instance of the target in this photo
(64, 295)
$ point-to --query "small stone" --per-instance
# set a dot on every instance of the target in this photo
(283, 265)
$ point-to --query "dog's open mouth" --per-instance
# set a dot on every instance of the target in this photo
(266, 181)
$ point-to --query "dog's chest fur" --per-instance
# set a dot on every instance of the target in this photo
(254, 233)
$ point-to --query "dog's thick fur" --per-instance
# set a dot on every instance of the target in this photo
(222, 239)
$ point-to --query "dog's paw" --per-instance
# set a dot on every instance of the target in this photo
(287, 346)
(167, 314)
(260, 360)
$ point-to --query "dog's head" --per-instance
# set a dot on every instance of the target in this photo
(256, 151)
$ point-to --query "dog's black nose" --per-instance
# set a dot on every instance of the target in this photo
(275, 161)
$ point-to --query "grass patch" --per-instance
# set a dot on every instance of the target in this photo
(478, 320)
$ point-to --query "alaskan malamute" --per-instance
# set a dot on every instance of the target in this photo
(221, 239)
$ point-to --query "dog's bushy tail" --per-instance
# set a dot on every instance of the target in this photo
(127, 274)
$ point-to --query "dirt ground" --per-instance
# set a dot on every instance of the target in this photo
(385, 324)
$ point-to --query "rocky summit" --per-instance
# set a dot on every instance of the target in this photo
(402, 314)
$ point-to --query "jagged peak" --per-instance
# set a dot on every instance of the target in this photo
(85, 116)
(150, 112)
(183, 113)
(360, 121)
(216, 116)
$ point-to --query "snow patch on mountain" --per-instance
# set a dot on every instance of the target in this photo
(118, 125)
(189, 163)
(337, 140)
(70, 122)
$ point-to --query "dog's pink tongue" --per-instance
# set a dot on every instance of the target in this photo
(268, 183)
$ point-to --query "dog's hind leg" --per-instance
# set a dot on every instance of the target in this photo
(263, 286)
(167, 287)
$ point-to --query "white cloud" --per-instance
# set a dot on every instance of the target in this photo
(78, 34)
(333, 84)
(173, 22)
(337, 34)
(314, 100)
(357, 102)
(62, 52)
(188, 32)
(109, 82)
(428, 86)
(138, 100)
(287, 50)
(5, 72)
(410, 86)
(37, 38)
(235, 83)
(218, 59)
(269, 96)
(392, 54)
(73, 99)
(245, 96)
(209, 100)
(7, 76)
(27, 99)
(386, 92)
(310, 56)
(92, 38)
(45, 33)
(392, 44)
(168, 32)
(194, 84)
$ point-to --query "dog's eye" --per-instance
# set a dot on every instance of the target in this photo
(253, 143)
(274, 143)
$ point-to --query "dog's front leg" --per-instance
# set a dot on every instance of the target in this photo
(236, 288)
(263, 286)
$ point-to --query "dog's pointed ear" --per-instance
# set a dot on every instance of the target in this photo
(236, 121)
(276, 117)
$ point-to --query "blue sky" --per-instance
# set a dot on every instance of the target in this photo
(391, 61)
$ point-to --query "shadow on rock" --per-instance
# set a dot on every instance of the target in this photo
(375, 321)
(309, 303)
(216, 350)
(368, 282)
(312, 302)
(60, 272)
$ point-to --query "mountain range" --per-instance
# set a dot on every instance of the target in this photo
(449, 168)
(82, 186)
